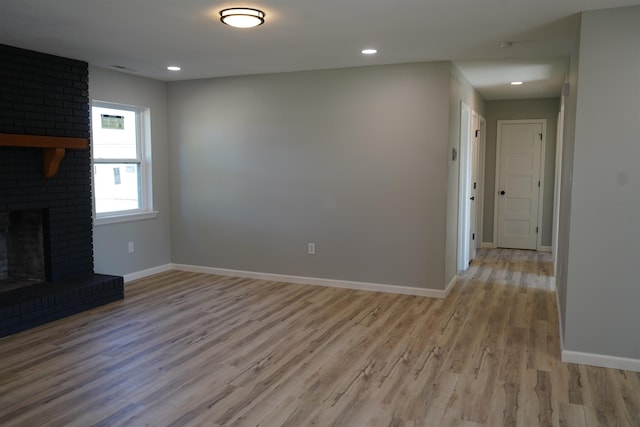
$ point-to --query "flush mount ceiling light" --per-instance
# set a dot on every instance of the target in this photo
(173, 68)
(242, 17)
(369, 51)
(516, 83)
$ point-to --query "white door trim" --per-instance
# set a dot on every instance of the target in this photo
(463, 187)
(543, 144)
(481, 168)
(474, 155)
(543, 147)
(558, 187)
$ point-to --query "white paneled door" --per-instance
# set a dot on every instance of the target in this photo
(518, 182)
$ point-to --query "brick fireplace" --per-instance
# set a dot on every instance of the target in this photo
(45, 95)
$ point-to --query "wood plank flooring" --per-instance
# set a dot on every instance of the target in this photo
(188, 349)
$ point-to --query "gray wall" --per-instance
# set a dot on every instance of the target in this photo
(602, 291)
(151, 237)
(460, 90)
(517, 110)
(352, 159)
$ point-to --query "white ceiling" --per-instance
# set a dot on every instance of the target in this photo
(145, 36)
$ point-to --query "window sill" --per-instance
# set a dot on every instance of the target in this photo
(114, 219)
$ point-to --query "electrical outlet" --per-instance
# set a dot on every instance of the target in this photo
(131, 249)
(311, 248)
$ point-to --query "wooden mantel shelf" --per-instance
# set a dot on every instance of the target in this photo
(53, 148)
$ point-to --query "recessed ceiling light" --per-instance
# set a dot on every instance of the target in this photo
(369, 51)
(173, 68)
(516, 83)
(242, 17)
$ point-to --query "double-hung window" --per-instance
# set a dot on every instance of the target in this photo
(121, 181)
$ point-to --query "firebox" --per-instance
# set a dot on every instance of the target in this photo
(22, 252)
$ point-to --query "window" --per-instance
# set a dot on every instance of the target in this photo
(121, 180)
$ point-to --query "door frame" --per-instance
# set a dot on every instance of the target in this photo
(558, 187)
(543, 145)
(463, 187)
(467, 117)
(473, 190)
(481, 168)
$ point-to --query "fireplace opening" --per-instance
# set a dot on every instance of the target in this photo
(22, 254)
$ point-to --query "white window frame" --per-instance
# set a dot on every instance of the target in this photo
(143, 160)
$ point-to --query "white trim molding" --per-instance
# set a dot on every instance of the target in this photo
(148, 272)
(114, 219)
(491, 245)
(450, 285)
(301, 280)
(601, 360)
(464, 187)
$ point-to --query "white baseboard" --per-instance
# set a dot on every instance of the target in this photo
(450, 285)
(602, 360)
(148, 272)
(491, 245)
(345, 284)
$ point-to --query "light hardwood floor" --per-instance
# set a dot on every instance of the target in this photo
(203, 350)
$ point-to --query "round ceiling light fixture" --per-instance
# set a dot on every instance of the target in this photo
(242, 17)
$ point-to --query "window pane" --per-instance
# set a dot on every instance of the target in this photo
(114, 133)
(116, 186)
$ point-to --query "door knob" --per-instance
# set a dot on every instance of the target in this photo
(502, 193)
(473, 197)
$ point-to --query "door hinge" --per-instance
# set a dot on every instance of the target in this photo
(536, 230)
(540, 136)
(477, 132)
(473, 236)
(474, 185)
(538, 184)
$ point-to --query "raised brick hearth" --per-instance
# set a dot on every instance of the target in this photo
(35, 305)
(48, 96)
